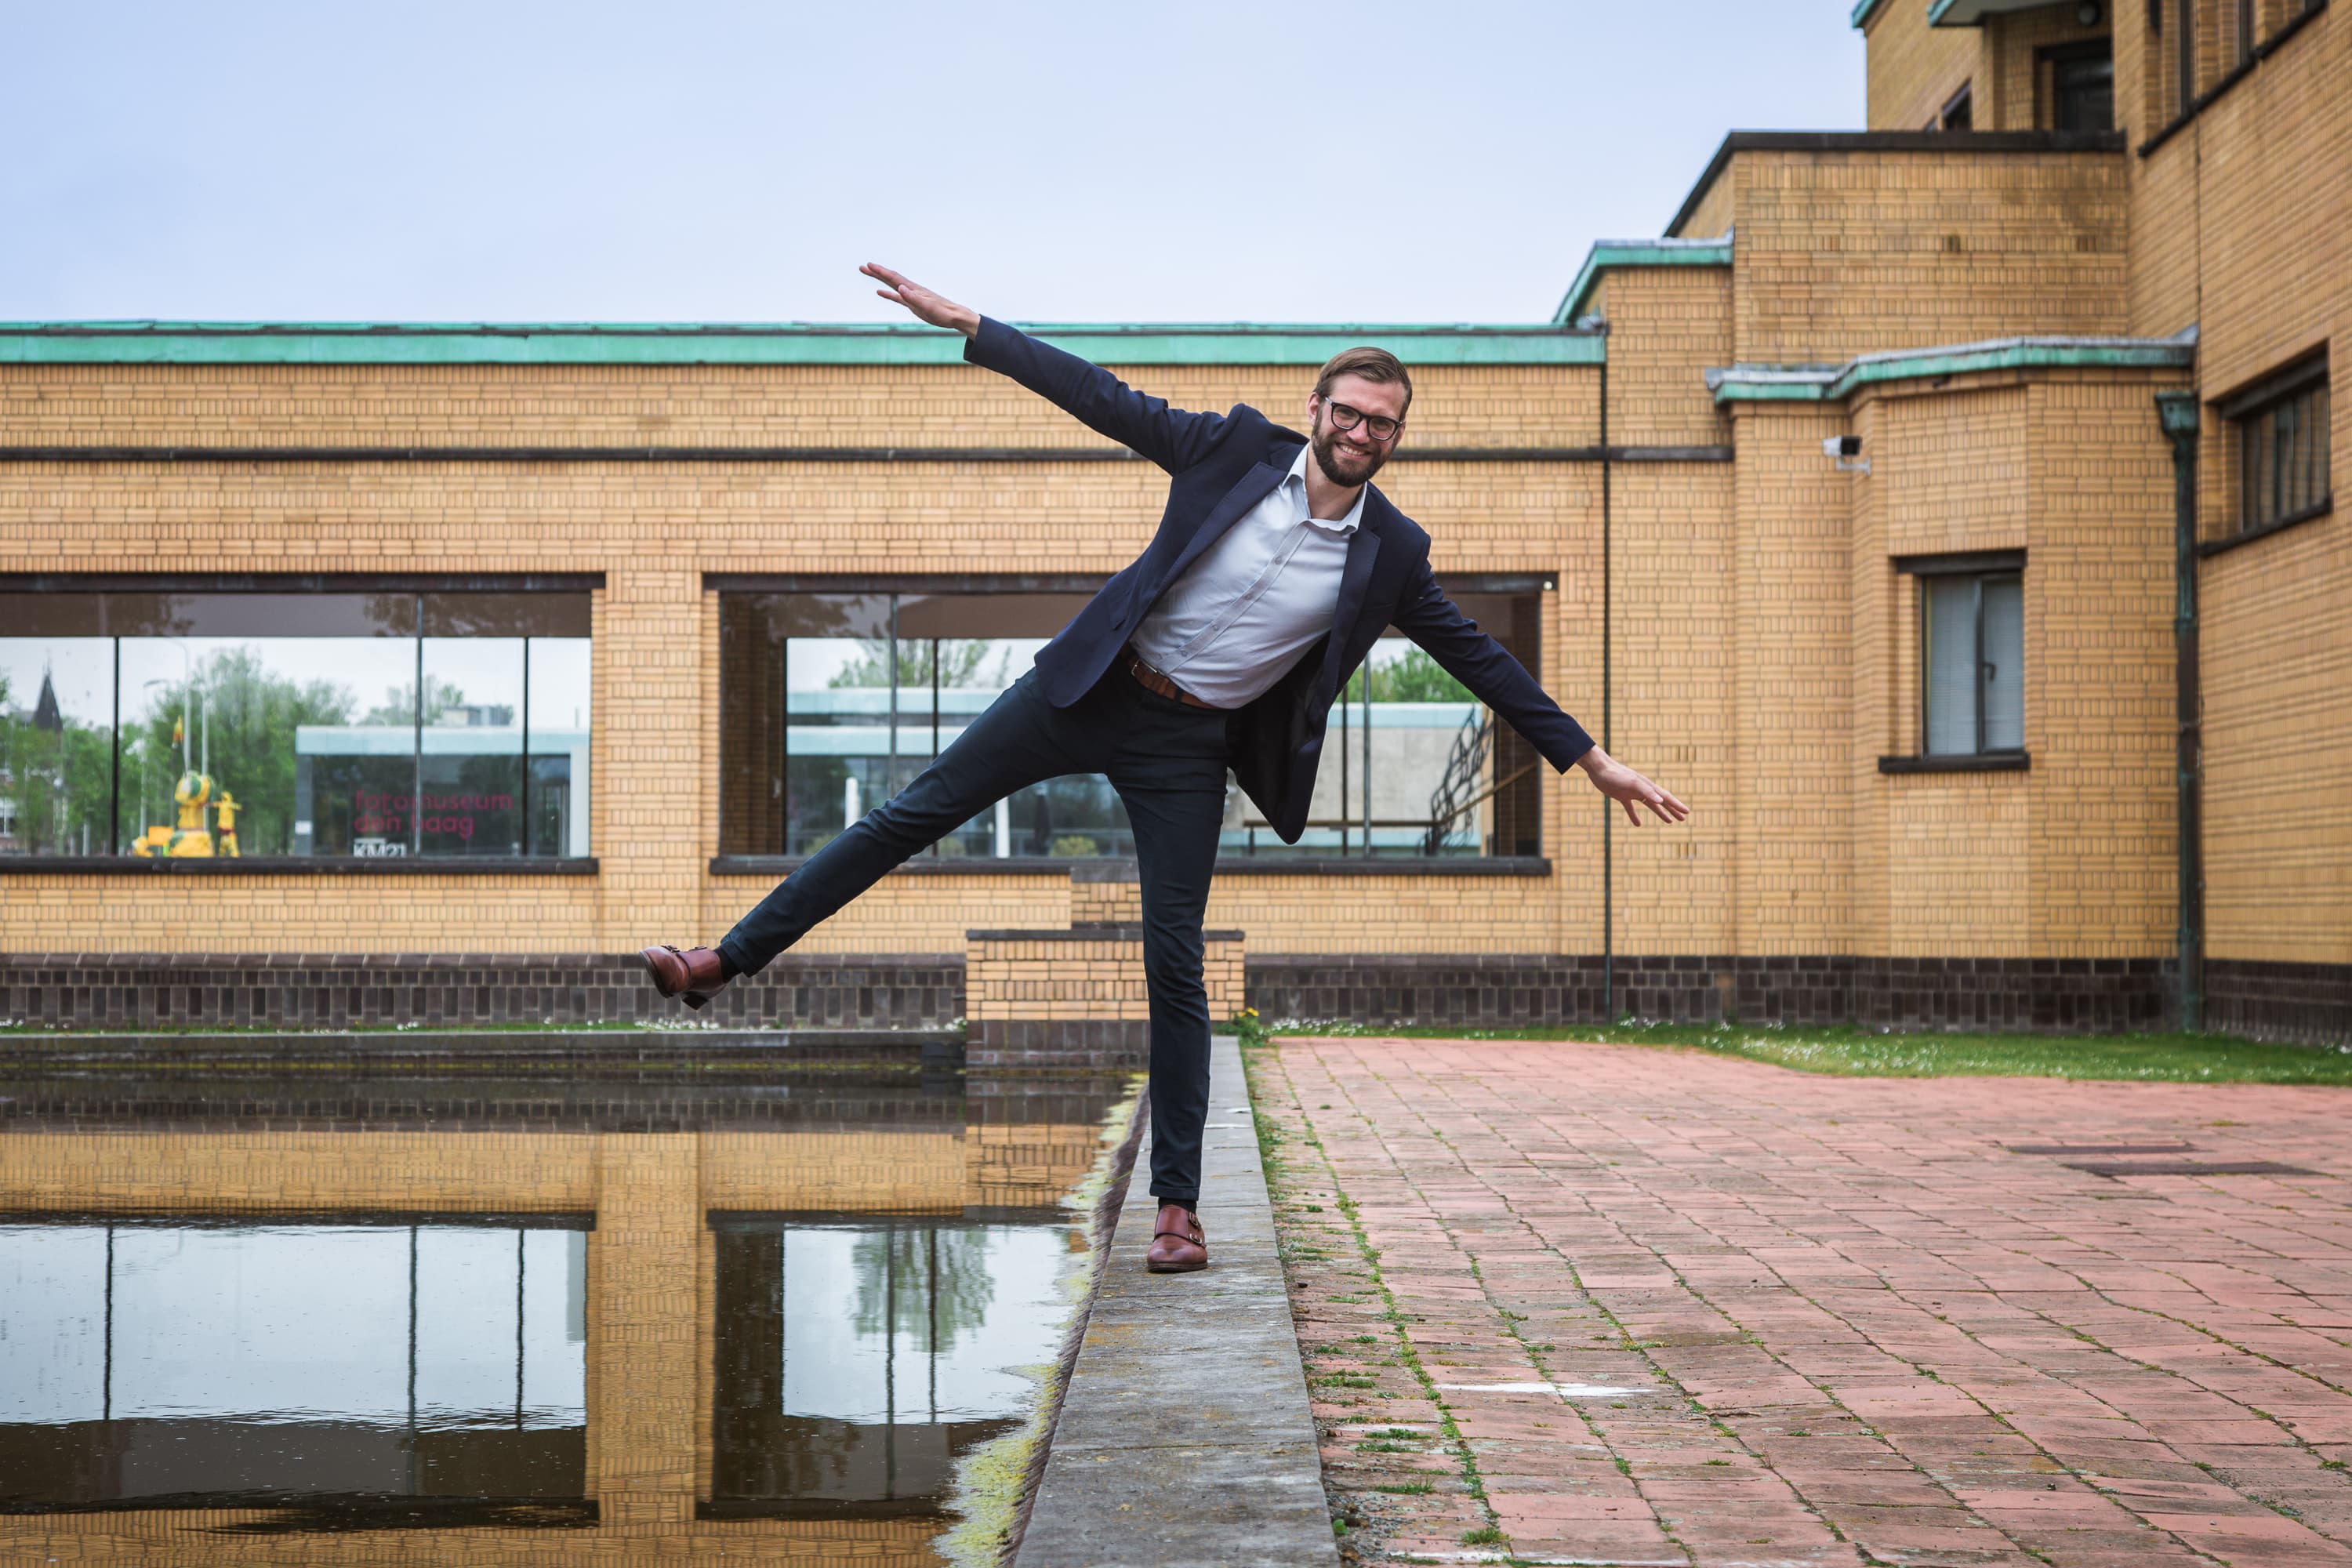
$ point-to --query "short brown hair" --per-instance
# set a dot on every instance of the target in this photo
(1372, 364)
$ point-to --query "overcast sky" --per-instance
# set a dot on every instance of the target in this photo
(1280, 160)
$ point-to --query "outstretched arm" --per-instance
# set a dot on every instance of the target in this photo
(1171, 437)
(1502, 683)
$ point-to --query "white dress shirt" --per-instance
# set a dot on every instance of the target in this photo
(1241, 614)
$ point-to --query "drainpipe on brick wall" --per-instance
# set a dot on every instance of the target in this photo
(1608, 806)
(2178, 412)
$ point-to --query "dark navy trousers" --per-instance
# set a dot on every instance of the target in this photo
(1168, 762)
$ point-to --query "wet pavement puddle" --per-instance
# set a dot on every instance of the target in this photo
(375, 1319)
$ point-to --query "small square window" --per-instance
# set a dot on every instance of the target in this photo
(1972, 663)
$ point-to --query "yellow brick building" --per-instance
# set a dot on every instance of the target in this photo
(685, 599)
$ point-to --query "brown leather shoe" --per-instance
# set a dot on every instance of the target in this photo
(1179, 1244)
(690, 976)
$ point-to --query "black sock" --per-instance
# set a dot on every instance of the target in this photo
(727, 970)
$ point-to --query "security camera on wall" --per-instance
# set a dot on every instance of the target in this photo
(1846, 452)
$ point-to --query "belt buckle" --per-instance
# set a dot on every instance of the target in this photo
(1158, 682)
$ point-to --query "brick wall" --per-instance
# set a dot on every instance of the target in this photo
(1844, 253)
(1914, 70)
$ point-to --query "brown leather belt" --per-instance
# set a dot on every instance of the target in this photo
(1159, 685)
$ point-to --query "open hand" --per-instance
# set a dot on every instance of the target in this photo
(1629, 789)
(927, 305)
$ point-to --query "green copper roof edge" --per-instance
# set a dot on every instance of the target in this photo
(1935, 9)
(1608, 253)
(1758, 383)
(1861, 12)
(185, 342)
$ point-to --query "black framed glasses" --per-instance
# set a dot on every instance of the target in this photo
(1379, 427)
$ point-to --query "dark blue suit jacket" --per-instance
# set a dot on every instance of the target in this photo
(1223, 464)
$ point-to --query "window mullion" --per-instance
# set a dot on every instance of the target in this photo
(1983, 684)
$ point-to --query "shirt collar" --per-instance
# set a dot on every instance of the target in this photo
(1297, 475)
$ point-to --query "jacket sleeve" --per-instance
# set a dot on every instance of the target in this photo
(1479, 662)
(1171, 437)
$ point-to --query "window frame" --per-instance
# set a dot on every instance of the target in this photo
(418, 586)
(1491, 860)
(2246, 414)
(1982, 566)
(2052, 60)
(1964, 100)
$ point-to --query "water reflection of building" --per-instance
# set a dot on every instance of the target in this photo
(634, 1225)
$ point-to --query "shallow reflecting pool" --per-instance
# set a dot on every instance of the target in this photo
(387, 1319)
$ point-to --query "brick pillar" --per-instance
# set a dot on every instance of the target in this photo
(648, 833)
(1077, 997)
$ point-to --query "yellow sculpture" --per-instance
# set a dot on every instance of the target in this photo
(226, 809)
(189, 840)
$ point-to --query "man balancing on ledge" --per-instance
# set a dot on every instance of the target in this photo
(1275, 568)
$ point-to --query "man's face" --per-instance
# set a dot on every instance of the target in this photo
(1351, 456)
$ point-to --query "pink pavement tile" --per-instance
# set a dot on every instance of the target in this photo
(1842, 1299)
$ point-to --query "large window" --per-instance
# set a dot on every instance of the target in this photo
(1972, 661)
(266, 725)
(2283, 434)
(831, 701)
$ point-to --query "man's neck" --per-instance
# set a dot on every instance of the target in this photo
(1326, 501)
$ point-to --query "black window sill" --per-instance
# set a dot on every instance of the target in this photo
(2236, 74)
(1966, 762)
(1095, 870)
(2213, 547)
(293, 866)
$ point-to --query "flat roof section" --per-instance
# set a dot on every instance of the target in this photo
(1606, 254)
(1967, 142)
(785, 342)
(1831, 383)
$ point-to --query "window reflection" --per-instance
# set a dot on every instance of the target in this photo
(859, 1358)
(160, 1365)
(271, 724)
(832, 702)
(819, 724)
(56, 735)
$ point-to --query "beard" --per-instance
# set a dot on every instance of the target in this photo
(1342, 466)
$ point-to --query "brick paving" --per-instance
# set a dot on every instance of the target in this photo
(1568, 1303)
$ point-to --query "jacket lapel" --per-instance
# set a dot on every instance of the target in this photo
(1254, 487)
(1363, 549)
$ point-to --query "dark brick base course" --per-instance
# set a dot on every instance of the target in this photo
(2304, 1002)
(2063, 995)
(113, 991)
(2307, 1002)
